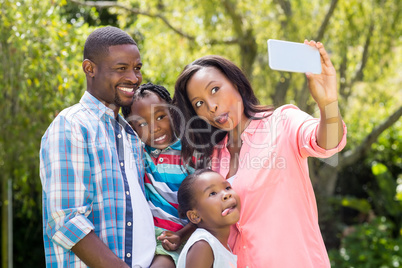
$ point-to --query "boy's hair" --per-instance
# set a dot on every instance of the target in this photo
(143, 91)
(98, 42)
(192, 138)
(185, 194)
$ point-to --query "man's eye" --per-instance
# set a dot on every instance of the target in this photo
(198, 104)
(122, 68)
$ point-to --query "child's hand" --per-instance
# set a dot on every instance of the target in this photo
(170, 240)
(323, 87)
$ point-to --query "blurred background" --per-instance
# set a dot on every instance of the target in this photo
(359, 191)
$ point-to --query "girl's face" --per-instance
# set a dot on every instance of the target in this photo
(216, 203)
(150, 118)
(215, 99)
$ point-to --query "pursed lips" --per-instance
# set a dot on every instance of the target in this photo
(221, 119)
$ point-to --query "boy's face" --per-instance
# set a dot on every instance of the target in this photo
(150, 118)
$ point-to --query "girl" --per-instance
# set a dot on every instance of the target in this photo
(263, 152)
(209, 202)
(149, 115)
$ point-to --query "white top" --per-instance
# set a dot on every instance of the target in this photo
(223, 258)
(144, 243)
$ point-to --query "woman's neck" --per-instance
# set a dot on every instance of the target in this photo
(235, 134)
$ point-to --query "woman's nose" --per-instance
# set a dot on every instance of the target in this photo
(213, 106)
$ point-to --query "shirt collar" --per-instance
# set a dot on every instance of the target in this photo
(95, 105)
(156, 152)
(255, 124)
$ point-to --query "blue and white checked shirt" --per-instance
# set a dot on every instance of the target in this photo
(84, 182)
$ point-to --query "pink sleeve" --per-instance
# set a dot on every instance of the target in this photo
(303, 129)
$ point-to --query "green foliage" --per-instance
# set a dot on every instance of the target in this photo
(369, 245)
(39, 75)
(41, 48)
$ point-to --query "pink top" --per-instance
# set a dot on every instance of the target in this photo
(278, 224)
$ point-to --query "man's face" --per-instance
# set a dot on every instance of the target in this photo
(117, 76)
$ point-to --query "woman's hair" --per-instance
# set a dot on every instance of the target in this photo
(187, 122)
(143, 91)
(185, 194)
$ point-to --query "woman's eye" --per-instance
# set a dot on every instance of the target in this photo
(214, 90)
(212, 193)
(198, 104)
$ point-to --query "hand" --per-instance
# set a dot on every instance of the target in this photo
(323, 87)
(170, 240)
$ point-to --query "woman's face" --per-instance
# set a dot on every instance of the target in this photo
(215, 99)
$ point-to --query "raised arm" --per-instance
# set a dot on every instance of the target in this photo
(323, 89)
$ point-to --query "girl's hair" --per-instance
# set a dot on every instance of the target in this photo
(203, 142)
(143, 91)
(185, 194)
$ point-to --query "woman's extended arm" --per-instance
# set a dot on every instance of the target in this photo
(323, 88)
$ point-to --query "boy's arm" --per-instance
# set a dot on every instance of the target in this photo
(173, 240)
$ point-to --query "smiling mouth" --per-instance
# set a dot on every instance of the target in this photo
(161, 138)
(222, 119)
(126, 89)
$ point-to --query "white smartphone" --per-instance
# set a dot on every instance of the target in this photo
(293, 57)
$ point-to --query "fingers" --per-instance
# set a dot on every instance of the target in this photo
(323, 53)
(168, 245)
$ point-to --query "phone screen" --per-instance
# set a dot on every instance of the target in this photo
(293, 57)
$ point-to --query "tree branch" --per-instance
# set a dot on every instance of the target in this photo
(325, 22)
(286, 7)
(365, 56)
(350, 157)
(110, 4)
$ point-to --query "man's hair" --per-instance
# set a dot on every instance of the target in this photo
(98, 42)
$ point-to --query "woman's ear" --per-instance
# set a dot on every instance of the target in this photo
(89, 67)
(193, 216)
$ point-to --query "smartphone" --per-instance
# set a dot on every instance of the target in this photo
(293, 57)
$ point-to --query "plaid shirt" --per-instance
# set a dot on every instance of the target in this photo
(84, 183)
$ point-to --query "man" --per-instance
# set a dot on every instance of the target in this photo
(94, 209)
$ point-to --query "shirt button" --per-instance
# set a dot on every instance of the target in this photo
(128, 255)
(129, 223)
(127, 193)
(121, 164)
(119, 136)
(161, 159)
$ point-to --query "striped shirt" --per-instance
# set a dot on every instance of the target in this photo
(83, 169)
(164, 172)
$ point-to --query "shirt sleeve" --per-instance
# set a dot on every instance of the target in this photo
(65, 175)
(303, 128)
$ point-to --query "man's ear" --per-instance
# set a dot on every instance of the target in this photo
(89, 67)
(193, 216)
